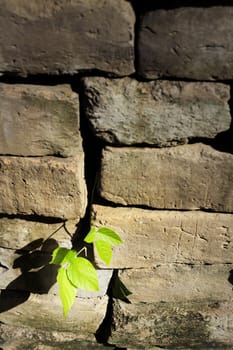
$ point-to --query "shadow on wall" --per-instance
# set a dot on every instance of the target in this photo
(150, 5)
(230, 278)
(37, 275)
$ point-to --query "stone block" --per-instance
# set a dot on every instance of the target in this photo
(187, 42)
(48, 114)
(28, 235)
(25, 253)
(184, 177)
(31, 272)
(179, 283)
(44, 344)
(154, 237)
(186, 325)
(161, 113)
(44, 314)
(52, 187)
(65, 38)
(27, 272)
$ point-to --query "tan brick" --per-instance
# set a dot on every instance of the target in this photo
(25, 252)
(50, 37)
(31, 341)
(19, 234)
(162, 113)
(183, 177)
(183, 42)
(44, 313)
(199, 325)
(154, 237)
(39, 120)
(179, 283)
(52, 187)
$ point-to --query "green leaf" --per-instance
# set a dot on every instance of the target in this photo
(67, 291)
(103, 234)
(108, 235)
(59, 255)
(62, 256)
(70, 256)
(91, 236)
(82, 274)
(104, 251)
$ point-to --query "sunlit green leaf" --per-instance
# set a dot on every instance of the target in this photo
(108, 235)
(61, 256)
(103, 234)
(58, 255)
(67, 291)
(91, 236)
(77, 272)
(83, 274)
(70, 256)
(104, 250)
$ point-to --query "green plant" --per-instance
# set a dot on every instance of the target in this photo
(76, 271)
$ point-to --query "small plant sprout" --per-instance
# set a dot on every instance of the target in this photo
(77, 272)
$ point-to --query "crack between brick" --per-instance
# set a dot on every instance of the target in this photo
(106, 203)
(103, 332)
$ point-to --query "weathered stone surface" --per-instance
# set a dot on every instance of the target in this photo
(196, 325)
(44, 344)
(44, 313)
(52, 187)
(184, 43)
(162, 113)
(29, 272)
(154, 237)
(184, 177)
(178, 283)
(60, 37)
(28, 235)
(39, 120)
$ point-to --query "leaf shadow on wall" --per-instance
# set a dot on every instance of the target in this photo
(230, 278)
(37, 275)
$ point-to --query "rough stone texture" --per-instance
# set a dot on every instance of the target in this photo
(184, 177)
(184, 43)
(154, 237)
(29, 272)
(60, 37)
(53, 187)
(162, 113)
(47, 345)
(28, 235)
(178, 283)
(44, 345)
(44, 313)
(196, 325)
(39, 120)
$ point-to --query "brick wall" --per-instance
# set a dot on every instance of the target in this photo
(119, 113)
